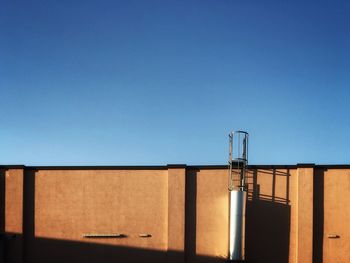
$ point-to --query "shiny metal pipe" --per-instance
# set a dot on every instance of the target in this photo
(237, 224)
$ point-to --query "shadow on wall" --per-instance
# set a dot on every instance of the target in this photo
(38, 250)
(43, 250)
(318, 215)
(30, 241)
(2, 215)
(267, 230)
(267, 220)
(191, 216)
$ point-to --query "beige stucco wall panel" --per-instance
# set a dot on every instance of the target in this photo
(14, 200)
(336, 216)
(13, 220)
(71, 203)
(176, 214)
(212, 213)
(304, 219)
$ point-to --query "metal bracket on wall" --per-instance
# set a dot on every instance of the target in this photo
(143, 235)
(333, 236)
(104, 235)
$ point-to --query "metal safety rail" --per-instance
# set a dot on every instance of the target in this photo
(238, 161)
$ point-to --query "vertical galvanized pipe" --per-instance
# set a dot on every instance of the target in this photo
(237, 224)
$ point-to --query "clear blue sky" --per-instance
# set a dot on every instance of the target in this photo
(157, 82)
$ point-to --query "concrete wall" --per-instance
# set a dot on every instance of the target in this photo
(332, 215)
(295, 213)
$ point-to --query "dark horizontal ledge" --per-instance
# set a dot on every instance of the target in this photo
(87, 167)
(98, 167)
(165, 167)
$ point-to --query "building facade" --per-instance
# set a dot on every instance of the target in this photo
(173, 213)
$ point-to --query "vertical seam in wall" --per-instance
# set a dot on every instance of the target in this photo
(5, 176)
(297, 219)
(311, 211)
(167, 214)
(303, 174)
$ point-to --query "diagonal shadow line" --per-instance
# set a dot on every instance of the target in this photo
(43, 250)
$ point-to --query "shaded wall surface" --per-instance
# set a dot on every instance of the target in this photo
(174, 213)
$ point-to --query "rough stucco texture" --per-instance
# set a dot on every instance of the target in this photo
(71, 203)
